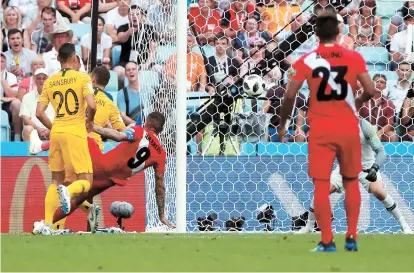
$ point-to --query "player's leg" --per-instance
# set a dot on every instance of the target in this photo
(336, 186)
(321, 159)
(36, 145)
(349, 159)
(77, 159)
(377, 189)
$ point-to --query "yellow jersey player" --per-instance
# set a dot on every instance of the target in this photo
(71, 95)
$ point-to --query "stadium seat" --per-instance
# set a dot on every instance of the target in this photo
(208, 50)
(78, 50)
(5, 127)
(163, 52)
(112, 86)
(346, 30)
(80, 29)
(377, 57)
(385, 28)
(116, 53)
(194, 103)
(377, 67)
(387, 9)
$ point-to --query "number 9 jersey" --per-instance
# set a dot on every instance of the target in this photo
(331, 72)
(66, 90)
(131, 157)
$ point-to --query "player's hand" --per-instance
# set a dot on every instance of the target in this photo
(166, 222)
(89, 126)
(372, 173)
(282, 134)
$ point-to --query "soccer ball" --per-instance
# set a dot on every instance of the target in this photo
(253, 85)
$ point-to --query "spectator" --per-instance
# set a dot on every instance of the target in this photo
(24, 6)
(379, 111)
(28, 84)
(75, 10)
(397, 90)
(129, 99)
(407, 116)
(310, 44)
(344, 40)
(8, 93)
(13, 20)
(162, 17)
(250, 29)
(235, 17)
(106, 6)
(221, 65)
(138, 43)
(28, 108)
(18, 58)
(273, 106)
(103, 48)
(33, 21)
(116, 18)
(398, 47)
(206, 20)
(60, 35)
(257, 53)
(277, 15)
(397, 21)
(40, 42)
(196, 71)
(365, 27)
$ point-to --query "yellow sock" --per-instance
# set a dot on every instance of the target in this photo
(78, 187)
(85, 206)
(59, 224)
(51, 203)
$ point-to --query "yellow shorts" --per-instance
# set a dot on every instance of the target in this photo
(69, 153)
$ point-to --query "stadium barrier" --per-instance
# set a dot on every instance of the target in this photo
(228, 186)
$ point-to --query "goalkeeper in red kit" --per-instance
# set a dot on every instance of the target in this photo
(332, 73)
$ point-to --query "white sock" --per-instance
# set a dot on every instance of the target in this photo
(17, 138)
(392, 208)
(311, 216)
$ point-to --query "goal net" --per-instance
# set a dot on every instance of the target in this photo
(239, 174)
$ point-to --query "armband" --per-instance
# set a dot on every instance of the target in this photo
(130, 134)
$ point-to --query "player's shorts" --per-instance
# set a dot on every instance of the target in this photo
(69, 153)
(336, 180)
(326, 144)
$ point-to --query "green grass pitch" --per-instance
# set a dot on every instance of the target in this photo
(201, 252)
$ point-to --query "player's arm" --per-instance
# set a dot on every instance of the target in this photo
(293, 87)
(160, 197)
(87, 92)
(370, 134)
(42, 104)
(365, 80)
(127, 135)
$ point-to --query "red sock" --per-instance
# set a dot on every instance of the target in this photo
(45, 146)
(323, 209)
(352, 205)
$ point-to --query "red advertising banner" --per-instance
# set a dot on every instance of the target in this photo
(24, 181)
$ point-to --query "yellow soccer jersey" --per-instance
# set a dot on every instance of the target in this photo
(106, 111)
(66, 90)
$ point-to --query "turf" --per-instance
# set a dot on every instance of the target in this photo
(201, 252)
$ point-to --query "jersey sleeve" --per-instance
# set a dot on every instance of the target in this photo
(371, 136)
(44, 97)
(359, 64)
(115, 118)
(87, 88)
(298, 71)
(139, 132)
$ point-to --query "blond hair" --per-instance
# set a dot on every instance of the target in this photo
(38, 59)
(19, 18)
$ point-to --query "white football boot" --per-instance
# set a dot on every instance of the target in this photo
(64, 198)
(93, 217)
(406, 229)
(35, 145)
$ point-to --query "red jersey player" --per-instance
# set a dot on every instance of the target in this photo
(332, 73)
(140, 149)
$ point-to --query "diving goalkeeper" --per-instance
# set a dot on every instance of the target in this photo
(373, 157)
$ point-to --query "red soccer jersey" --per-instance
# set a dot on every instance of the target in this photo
(129, 158)
(331, 72)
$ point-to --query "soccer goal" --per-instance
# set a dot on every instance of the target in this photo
(226, 168)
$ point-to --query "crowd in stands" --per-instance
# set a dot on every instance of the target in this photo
(138, 39)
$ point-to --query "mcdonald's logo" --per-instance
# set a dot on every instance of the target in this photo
(24, 181)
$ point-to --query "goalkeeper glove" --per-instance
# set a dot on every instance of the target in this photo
(130, 133)
(372, 173)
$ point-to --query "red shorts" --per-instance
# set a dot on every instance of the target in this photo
(327, 143)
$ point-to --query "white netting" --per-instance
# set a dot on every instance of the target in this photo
(261, 171)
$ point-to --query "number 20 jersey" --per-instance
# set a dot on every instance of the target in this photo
(129, 158)
(331, 72)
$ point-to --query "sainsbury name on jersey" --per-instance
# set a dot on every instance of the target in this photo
(64, 81)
